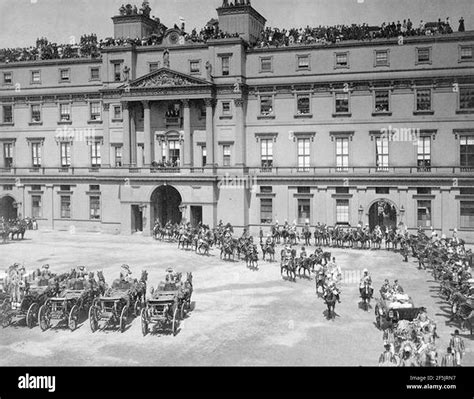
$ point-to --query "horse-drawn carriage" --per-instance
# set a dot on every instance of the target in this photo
(167, 306)
(118, 303)
(394, 308)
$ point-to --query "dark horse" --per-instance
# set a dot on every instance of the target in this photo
(366, 295)
(330, 298)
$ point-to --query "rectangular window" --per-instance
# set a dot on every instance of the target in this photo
(467, 151)
(226, 154)
(303, 62)
(65, 207)
(266, 210)
(64, 75)
(266, 105)
(466, 191)
(8, 187)
(117, 72)
(94, 206)
(95, 113)
(35, 113)
(174, 152)
(303, 155)
(304, 210)
(118, 156)
(95, 73)
(342, 211)
(65, 154)
(225, 66)
(342, 60)
(342, 154)
(466, 98)
(7, 78)
(423, 190)
(35, 77)
(424, 154)
(8, 155)
(303, 190)
(382, 101)
(381, 58)
(266, 64)
(154, 66)
(36, 206)
(95, 154)
(303, 104)
(381, 153)
(194, 67)
(467, 214)
(94, 187)
(423, 55)
(342, 103)
(424, 213)
(36, 187)
(7, 114)
(36, 154)
(65, 112)
(382, 190)
(65, 187)
(266, 189)
(423, 99)
(226, 108)
(117, 112)
(466, 53)
(266, 153)
(204, 155)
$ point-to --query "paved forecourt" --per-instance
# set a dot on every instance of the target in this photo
(240, 316)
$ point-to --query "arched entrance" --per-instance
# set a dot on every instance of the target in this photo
(165, 202)
(8, 209)
(383, 213)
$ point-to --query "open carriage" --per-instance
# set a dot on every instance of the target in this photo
(394, 308)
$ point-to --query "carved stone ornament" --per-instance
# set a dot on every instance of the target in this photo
(164, 78)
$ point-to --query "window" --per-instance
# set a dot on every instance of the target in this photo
(94, 187)
(303, 190)
(64, 75)
(381, 151)
(466, 98)
(204, 155)
(36, 187)
(225, 63)
(95, 154)
(465, 53)
(303, 62)
(154, 66)
(303, 155)
(423, 190)
(118, 156)
(423, 55)
(94, 206)
(342, 154)
(36, 154)
(226, 154)
(7, 78)
(266, 153)
(64, 112)
(117, 112)
(303, 104)
(342, 60)
(467, 151)
(423, 99)
(266, 210)
(342, 190)
(304, 210)
(266, 64)
(95, 111)
(8, 187)
(65, 206)
(381, 58)
(8, 155)
(117, 72)
(467, 214)
(342, 103)
(64, 187)
(36, 206)
(35, 77)
(194, 66)
(382, 190)
(65, 149)
(342, 211)
(266, 105)
(466, 191)
(35, 113)
(174, 152)
(424, 213)
(424, 154)
(266, 189)
(382, 101)
(7, 114)
(226, 108)
(95, 73)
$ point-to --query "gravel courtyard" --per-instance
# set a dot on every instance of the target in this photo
(241, 317)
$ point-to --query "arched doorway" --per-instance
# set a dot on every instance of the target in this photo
(165, 202)
(8, 209)
(383, 213)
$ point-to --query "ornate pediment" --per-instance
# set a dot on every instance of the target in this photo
(165, 77)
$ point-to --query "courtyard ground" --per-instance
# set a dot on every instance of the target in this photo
(241, 317)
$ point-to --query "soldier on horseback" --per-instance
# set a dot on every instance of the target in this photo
(366, 280)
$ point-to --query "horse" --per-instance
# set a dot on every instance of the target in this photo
(330, 298)
(288, 264)
(304, 264)
(366, 295)
(251, 256)
(102, 284)
(228, 249)
(268, 249)
(203, 244)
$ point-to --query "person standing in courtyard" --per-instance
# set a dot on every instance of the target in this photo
(457, 343)
(387, 359)
(449, 359)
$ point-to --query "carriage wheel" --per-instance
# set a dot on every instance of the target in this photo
(73, 317)
(144, 322)
(182, 311)
(32, 315)
(136, 308)
(123, 318)
(93, 318)
(174, 326)
(44, 316)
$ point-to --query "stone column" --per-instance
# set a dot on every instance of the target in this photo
(126, 134)
(149, 143)
(240, 142)
(209, 132)
(105, 153)
(133, 137)
(188, 140)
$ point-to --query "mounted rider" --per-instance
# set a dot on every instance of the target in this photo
(366, 280)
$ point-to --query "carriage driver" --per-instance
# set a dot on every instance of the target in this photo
(366, 279)
(170, 278)
(82, 273)
(125, 273)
